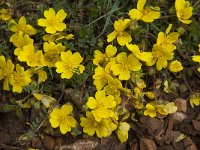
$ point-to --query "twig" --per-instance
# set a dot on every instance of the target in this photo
(164, 17)
(188, 86)
(152, 35)
(196, 3)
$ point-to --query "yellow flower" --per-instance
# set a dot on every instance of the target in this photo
(22, 26)
(28, 55)
(175, 66)
(195, 100)
(170, 108)
(196, 58)
(53, 21)
(57, 36)
(101, 105)
(42, 75)
(102, 128)
(100, 58)
(61, 118)
(150, 110)
(147, 14)
(122, 37)
(20, 40)
(5, 14)
(122, 131)
(167, 39)
(46, 100)
(161, 109)
(6, 69)
(70, 64)
(52, 53)
(124, 65)
(113, 87)
(19, 78)
(101, 77)
(146, 57)
(183, 11)
(150, 95)
(161, 55)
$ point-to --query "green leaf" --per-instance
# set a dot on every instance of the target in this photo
(8, 107)
(18, 111)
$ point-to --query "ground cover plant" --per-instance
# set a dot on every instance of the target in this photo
(96, 74)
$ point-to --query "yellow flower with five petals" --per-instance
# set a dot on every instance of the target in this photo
(62, 118)
(52, 53)
(100, 58)
(6, 69)
(102, 128)
(22, 26)
(20, 40)
(175, 66)
(101, 105)
(125, 65)
(32, 58)
(19, 79)
(69, 64)
(183, 11)
(119, 33)
(167, 39)
(53, 21)
(146, 14)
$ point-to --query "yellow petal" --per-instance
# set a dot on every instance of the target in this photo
(170, 108)
(133, 63)
(112, 36)
(124, 75)
(60, 26)
(134, 48)
(42, 22)
(140, 4)
(161, 63)
(135, 14)
(168, 29)
(22, 21)
(185, 21)
(91, 103)
(50, 29)
(122, 57)
(124, 39)
(61, 15)
(122, 131)
(187, 13)
(196, 58)
(111, 50)
(66, 109)
(150, 107)
(76, 57)
(179, 4)
(66, 56)
(118, 25)
(49, 14)
(64, 128)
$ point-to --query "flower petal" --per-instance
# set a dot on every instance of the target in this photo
(61, 15)
(112, 36)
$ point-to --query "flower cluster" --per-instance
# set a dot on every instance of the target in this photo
(118, 74)
(54, 54)
(113, 67)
